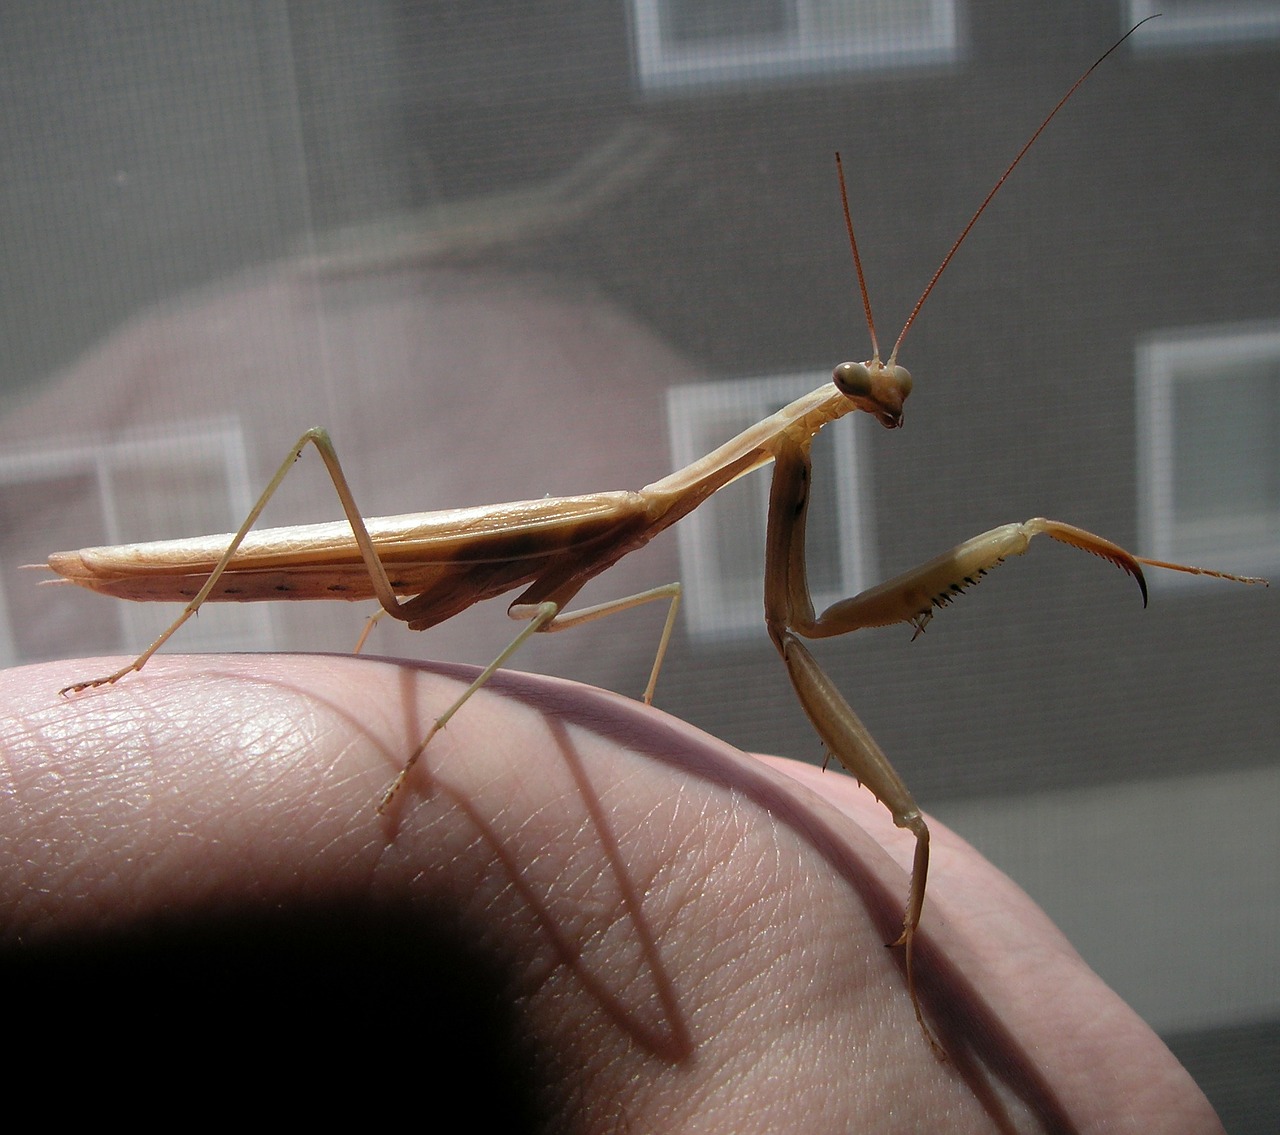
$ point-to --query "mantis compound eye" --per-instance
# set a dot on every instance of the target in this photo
(853, 379)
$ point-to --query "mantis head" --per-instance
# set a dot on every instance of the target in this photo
(878, 388)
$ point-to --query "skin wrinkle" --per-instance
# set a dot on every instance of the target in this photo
(273, 739)
(83, 738)
(269, 737)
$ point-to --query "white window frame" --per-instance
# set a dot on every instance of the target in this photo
(219, 446)
(663, 65)
(1247, 542)
(725, 601)
(1187, 24)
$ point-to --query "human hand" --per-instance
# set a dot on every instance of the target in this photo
(608, 919)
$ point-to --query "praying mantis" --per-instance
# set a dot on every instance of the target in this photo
(424, 568)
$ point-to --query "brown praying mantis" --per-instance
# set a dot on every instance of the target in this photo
(424, 568)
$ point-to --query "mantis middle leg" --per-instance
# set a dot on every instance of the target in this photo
(546, 615)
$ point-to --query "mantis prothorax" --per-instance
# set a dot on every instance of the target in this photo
(423, 568)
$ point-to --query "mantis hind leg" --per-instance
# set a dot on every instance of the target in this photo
(543, 615)
(563, 620)
(377, 573)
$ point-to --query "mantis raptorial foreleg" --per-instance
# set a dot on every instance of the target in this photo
(789, 609)
(909, 598)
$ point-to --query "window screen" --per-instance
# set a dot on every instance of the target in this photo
(489, 245)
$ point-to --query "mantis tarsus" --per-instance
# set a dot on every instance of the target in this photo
(423, 568)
